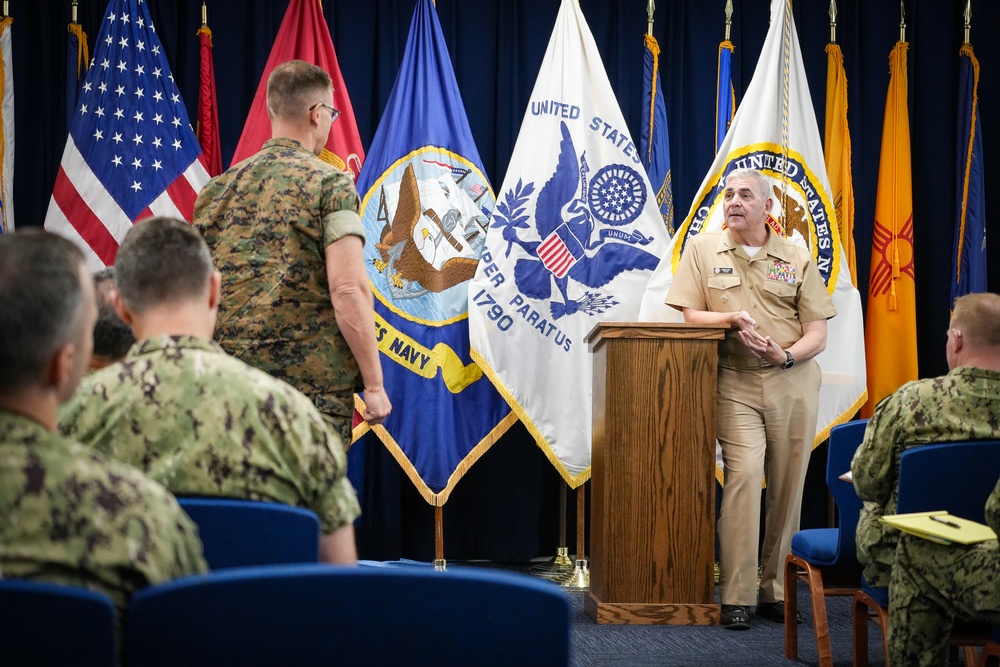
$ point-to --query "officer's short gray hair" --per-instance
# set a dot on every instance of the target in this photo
(762, 186)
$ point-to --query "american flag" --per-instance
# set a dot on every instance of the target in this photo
(131, 152)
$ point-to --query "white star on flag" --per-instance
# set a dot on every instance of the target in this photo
(91, 204)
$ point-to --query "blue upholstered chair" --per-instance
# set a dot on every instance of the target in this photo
(241, 533)
(953, 476)
(323, 614)
(991, 652)
(48, 625)
(826, 558)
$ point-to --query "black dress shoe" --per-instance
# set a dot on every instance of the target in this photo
(735, 617)
(775, 611)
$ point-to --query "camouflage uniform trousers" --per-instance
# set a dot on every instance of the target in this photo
(341, 426)
(932, 585)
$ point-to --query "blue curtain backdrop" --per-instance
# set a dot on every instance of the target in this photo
(497, 47)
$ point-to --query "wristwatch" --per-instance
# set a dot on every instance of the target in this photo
(790, 362)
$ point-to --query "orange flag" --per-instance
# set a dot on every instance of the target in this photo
(304, 35)
(891, 324)
(837, 145)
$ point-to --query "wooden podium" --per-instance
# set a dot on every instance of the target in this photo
(652, 522)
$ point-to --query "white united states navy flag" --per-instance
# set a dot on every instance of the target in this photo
(572, 241)
(799, 172)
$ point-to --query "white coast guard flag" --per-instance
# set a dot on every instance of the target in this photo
(755, 141)
(573, 239)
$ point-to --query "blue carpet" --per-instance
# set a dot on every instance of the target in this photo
(595, 645)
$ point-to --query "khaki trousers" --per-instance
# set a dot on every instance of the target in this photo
(766, 423)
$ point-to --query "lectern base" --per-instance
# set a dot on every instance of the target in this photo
(641, 613)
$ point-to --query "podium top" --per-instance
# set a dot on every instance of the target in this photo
(605, 330)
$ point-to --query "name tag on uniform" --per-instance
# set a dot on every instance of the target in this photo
(723, 269)
(781, 272)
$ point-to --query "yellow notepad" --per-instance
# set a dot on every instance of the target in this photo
(941, 527)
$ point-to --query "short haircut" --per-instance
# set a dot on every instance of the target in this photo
(41, 303)
(162, 261)
(292, 87)
(763, 186)
(977, 316)
(112, 337)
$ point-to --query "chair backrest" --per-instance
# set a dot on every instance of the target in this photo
(844, 441)
(44, 625)
(242, 533)
(953, 476)
(315, 614)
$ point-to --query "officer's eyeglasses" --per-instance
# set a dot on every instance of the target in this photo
(334, 113)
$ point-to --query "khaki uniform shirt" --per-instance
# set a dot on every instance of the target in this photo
(205, 424)
(268, 221)
(780, 287)
(68, 515)
(962, 405)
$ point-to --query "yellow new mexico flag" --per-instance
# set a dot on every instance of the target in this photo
(837, 145)
(891, 323)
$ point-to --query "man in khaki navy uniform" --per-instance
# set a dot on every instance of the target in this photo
(772, 294)
(68, 515)
(195, 419)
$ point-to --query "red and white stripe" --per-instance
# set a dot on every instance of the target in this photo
(82, 210)
(555, 255)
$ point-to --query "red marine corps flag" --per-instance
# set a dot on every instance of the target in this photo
(304, 35)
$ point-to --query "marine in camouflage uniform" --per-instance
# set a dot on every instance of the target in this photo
(203, 423)
(267, 222)
(71, 516)
(962, 405)
(933, 584)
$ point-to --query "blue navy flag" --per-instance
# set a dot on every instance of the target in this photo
(969, 268)
(572, 242)
(725, 96)
(131, 152)
(654, 139)
(425, 206)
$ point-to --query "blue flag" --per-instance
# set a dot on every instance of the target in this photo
(426, 205)
(969, 269)
(725, 97)
(654, 139)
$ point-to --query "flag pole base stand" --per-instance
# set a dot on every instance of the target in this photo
(440, 564)
(578, 579)
(558, 567)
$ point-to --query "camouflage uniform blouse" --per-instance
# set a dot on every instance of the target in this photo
(70, 516)
(962, 405)
(268, 221)
(205, 424)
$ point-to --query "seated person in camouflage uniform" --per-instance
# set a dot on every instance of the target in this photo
(962, 405)
(933, 584)
(69, 515)
(200, 422)
(112, 337)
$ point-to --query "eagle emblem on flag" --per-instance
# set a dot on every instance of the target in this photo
(578, 222)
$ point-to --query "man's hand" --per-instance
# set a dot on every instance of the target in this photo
(377, 406)
(763, 347)
(743, 321)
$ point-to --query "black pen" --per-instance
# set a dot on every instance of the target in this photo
(950, 524)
